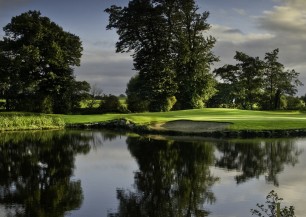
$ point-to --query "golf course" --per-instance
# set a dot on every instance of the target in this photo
(236, 119)
(196, 120)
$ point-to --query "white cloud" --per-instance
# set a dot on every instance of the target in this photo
(288, 23)
(289, 18)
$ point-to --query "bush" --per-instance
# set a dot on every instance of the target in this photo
(162, 105)
(136, 104)
(111, 104)
(167, 105)
(2, 104)
(294, 103)
(46, 105)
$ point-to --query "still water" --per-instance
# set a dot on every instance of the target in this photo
(99, 173)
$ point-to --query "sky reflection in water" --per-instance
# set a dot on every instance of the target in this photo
(92, 173)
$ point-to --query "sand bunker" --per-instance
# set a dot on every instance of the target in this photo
(191, 126)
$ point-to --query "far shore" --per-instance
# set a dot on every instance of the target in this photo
(208, 122)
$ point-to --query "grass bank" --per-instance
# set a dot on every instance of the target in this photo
(24, 121)
(239, 119)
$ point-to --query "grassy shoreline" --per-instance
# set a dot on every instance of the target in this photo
(239, 119)
(27, 121)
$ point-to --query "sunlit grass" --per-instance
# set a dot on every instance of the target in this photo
(27, 121)
(240, 119)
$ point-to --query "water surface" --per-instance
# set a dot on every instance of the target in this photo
(99, 173)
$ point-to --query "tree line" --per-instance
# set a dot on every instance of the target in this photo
(253, 82)
(173, 57)
(172, 54)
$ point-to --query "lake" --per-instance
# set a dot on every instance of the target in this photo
(103, 173)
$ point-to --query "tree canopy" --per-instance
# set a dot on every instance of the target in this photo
(171, 54)
(278, 80)
(38, 57)
(253, 81)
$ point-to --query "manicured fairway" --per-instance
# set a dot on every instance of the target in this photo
(240, 119)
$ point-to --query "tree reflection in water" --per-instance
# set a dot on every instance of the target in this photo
(173, 179)
(255, 158)
(36, 170)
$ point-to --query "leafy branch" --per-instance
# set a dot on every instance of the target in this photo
(272, 208)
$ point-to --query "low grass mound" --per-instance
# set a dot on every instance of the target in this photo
(239, 119)
(23, 121)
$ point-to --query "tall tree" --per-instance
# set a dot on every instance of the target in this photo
(278, 81)
(169, 47)
(142, 28)
(39, 56)
(245, 77)
(194, 56)
(251, 71)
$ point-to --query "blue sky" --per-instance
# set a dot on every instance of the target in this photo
(253, 27)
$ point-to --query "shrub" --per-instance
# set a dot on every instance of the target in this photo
(111, 104)
(46, 105)
(294, 103)
(136, 104)
(162, 105)
(167, 105)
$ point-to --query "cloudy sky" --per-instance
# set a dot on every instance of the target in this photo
(253, 27)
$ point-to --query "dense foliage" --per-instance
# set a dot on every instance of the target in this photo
(37, 59)
(111, 104)
(171, 54)
(255, 82)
